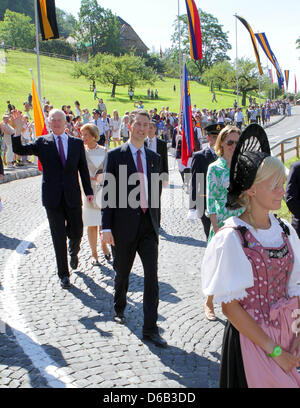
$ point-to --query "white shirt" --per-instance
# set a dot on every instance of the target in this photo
(227, 272)
(153, 144)
(65, 142)
(101, 125)
(144, 163)
(239, 116)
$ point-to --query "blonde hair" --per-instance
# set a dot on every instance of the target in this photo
(270, 167)
(226, 131)
(92, 129)
(115, 111)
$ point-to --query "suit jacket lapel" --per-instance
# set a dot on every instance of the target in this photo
(52, 144)
(128, 159)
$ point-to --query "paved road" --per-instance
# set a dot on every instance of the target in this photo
(288, 127)
(50, 337)
(57, 338)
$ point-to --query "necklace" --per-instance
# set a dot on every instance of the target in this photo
(91, 148)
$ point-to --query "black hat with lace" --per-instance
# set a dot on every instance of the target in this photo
(251, 150)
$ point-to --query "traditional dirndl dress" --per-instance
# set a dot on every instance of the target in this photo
(243, 363)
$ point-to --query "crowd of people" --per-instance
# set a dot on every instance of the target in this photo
(114, 127)
(251, 264)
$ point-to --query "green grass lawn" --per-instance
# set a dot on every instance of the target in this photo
(61, 88)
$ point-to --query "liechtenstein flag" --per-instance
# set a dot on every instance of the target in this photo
(194, 30)
(187, 145)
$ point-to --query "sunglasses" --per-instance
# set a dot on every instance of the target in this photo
(231, 142)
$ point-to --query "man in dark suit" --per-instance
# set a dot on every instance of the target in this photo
(200, 162)
(130, 219)
(62, 157)
(159, 146)
(292, 195)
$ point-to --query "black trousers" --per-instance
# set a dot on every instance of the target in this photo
(206, 225)
(101, 141)
(65, 222)
(124, 252)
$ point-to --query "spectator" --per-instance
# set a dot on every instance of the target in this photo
(7, 131)
(101, 107)
(115, 126)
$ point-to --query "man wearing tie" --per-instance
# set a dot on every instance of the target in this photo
(61, 157)
(131, 226)
(159, 146)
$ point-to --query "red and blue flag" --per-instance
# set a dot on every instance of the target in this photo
(270, 75)
(187, 145)
(194, 30)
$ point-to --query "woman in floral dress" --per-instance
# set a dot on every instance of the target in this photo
(217, 181)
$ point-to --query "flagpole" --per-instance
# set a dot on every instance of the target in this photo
(37, 47)
(236, 62)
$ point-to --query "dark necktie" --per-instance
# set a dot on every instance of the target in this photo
(61, 151)
(144, 204)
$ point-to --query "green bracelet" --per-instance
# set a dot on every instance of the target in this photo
(276, 352)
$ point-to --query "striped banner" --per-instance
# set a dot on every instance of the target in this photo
(287, 77)
(47, 18)
(194, 30)
(263, 42)
(244, 22)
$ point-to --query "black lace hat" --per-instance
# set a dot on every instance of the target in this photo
(252, 148)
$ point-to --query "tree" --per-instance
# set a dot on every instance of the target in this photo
(18, 6)
(155, 62)
(58, 47)
(17, 31)
(98, 28)
(66, 23)
(115, 71)
(214, 41)
(249, 78)
(219, 74)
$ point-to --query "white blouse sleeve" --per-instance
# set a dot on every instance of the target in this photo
(294, 282)
(226, 271)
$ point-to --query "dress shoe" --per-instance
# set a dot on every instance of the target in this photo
(156, 339)
(209, 313)
(107, 256)
(119, 318)
(65, 282)
(74, 262)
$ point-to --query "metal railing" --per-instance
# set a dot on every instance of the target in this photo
(282, 149)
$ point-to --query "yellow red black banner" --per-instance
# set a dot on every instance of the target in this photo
(47, 17)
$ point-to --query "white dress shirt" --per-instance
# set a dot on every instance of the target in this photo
(153, 144)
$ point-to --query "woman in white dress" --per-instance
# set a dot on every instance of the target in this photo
(95, 155)
(115, 125)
